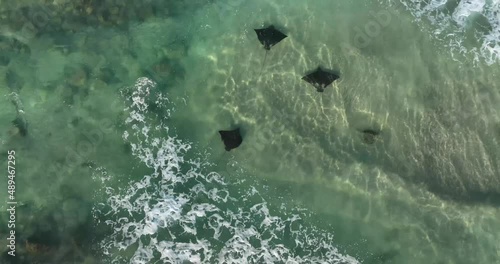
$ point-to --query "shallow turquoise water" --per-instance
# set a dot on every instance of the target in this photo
(123, 162)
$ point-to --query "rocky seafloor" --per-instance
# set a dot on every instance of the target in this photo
(60, 61)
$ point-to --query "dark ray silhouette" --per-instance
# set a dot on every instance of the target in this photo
(231, 138)
(320, 78)
(269, 36)
(370, 136)
(22, 125)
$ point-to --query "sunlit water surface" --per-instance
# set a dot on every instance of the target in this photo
(128, 166)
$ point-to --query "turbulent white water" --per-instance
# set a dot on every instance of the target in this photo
(452, 20)
(182, 213)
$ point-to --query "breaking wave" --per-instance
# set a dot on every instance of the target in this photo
(458, 21)
(180, 214)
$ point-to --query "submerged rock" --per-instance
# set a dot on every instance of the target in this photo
(20, 47)
(165, 70)
(44, 231)
(21, 125)
(10, 45)
(108, 75)
(63, 16)
(74, 214)
(77, 75)
(77, 80)
(13, 80)
(4, 59)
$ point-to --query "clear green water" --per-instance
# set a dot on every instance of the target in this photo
(116, 168)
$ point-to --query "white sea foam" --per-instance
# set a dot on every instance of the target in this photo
(202, 218)
(452, 25)
(466, 9)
